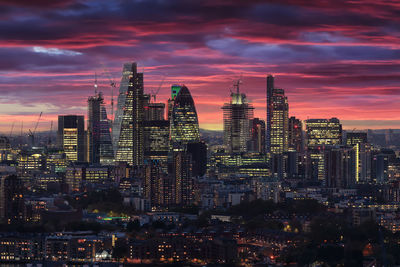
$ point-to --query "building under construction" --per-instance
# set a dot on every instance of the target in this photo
(237, 122)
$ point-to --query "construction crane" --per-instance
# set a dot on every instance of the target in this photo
(12, 128)
(154, 94)
(237, 84)
(113, 85)
(31, 134)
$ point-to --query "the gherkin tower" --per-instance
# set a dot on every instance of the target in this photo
(184, 122)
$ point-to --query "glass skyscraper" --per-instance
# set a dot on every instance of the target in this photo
(183, 119)
(93, 128)
(130, 143)
(127, 73)
(71, 134)
(277, 119)
(106, 147)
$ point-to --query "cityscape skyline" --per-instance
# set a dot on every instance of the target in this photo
(336, 63)
(199, 133)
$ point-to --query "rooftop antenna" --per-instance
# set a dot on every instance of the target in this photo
(95, 83)
(113, 85)
(237, 83)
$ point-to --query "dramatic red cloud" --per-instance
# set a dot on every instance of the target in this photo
(333, 58)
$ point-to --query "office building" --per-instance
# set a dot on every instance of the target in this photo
(12, 206)
(323, 132)
(339, 167)
(277, 119)
(106, 147)
(359, 142)
(71, 136)
(295, 135)
(130, 143)
(183, 119)
(156, 140)
(93, 127)
(257, 142)
(183, 182)
(353, 138)
(127, 73)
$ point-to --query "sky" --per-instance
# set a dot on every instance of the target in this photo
(333, 58)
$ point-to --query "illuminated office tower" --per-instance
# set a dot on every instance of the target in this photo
(237, 118)
(130, 143)
(277, 139)
(279, 122)
(93, 128)
(257, 142)
(183, 119)
(322, 132)
(295, 135)
(156, 141)
(106, 147)
(71, 136)
(12, 205)
(270, 89)
(127, 73)
(74, 177)
(359, 142)
(354, 138)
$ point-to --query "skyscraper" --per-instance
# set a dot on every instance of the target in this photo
(237, 118)
(277, 119)
(183, 182)
(71, 136)
(339, 167)
(12, 207)
(93, 128)
(258, 135)
(353, 138)
(156, 141)
(270, 88)
(321, 135)
(183, 119)
(127, 73)
(295, 134)
(106, 147)
(322, 132)
(130, 143)
(359, 142)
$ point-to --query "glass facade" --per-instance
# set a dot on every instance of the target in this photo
(184, 123)
(123, 89)
(130, 143)
(71, 135)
